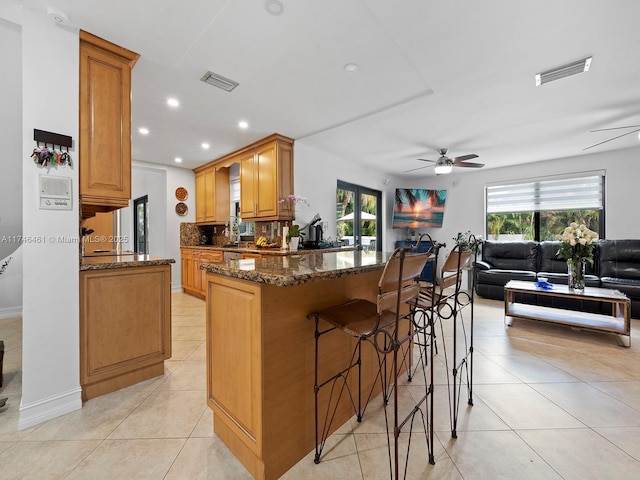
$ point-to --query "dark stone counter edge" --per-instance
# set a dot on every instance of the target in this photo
(269, 251)
(125, 264)
(284, 280)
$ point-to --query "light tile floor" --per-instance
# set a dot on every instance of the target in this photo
(549, 403)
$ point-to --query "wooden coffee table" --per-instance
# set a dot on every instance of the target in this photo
(617, 323)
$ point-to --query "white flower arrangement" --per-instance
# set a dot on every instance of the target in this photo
(577, 243)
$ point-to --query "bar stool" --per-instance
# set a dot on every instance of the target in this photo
(449, 302)
(377, 323)
(423, 318)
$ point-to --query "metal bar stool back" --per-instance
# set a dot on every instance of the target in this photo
(373, 322)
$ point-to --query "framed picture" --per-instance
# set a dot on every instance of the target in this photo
(418, 208)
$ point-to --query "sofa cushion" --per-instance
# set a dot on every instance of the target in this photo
(619, 259)
(563, 278)
(498, 276)
(630, 287)
(511, 255)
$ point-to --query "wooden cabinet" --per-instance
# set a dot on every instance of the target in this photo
(206, 256)
(125, 326)
(105, 124)
(212, 195)
(266, 175)
(260, 366)
(193, 278)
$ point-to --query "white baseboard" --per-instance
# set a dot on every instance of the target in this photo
(34, 413)
(11, 312)
(174, 288)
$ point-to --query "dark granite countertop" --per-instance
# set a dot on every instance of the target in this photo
(104, 262)
(268, 251)
(290, 270)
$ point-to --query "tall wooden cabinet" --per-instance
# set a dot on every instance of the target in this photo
(105, 124)
(266, 175)
(212, 194)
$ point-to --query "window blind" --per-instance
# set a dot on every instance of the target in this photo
(576, 193)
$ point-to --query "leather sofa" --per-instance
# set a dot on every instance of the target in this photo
(616, 265)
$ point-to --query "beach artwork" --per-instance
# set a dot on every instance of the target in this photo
(418, 208)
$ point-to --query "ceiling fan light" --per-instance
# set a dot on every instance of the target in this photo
(443, 166)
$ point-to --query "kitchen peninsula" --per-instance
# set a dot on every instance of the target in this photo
(125, 320)
(260, 349)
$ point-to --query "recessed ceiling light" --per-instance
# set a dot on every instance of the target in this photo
(172, 102)
(242, 124)
(205, 145)
(351, 67)
(274, 7)
(143, 131)
(177, 160)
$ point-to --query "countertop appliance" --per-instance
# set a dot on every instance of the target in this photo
(314, 231)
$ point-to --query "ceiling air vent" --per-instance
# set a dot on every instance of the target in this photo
(564, 71)
(219, 81)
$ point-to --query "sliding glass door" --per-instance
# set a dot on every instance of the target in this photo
(358, 218)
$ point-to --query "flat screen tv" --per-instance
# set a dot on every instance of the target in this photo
(418, 208)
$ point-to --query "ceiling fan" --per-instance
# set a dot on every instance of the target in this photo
(636, 128)
(445, 164)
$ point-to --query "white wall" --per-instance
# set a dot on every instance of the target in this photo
(160, 182)
(11, 178)
(465, 191)
(50, 362)
(316, 173)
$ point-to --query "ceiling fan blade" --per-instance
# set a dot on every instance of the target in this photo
(464, 157)
(414, 169)
(613, 128)
(469, 165)
(426, 160)
(624, 134)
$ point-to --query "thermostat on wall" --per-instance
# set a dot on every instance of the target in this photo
(55, 193)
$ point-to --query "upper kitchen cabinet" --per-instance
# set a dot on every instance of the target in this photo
(105, 124)
(212, 194)
(266, 175)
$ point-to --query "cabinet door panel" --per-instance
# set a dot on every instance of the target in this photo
(248, 193)
(200, 197)
(267, 181)
(105, 124)
(210, 195)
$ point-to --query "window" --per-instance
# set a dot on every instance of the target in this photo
(358, 217)
(541, 209)
(141, 224)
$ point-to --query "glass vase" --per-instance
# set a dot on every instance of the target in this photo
(576, 275)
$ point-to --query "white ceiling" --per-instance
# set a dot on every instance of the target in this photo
(432, 74)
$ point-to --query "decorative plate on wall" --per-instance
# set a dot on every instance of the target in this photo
(182, 194)
(182, 209)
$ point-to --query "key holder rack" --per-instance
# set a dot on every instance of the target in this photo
(45, 155)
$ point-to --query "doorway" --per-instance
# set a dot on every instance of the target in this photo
(141, 224)
(358, 217)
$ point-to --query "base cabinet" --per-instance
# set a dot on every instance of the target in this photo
(125, 327)
(193, 278)
(260, 365)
